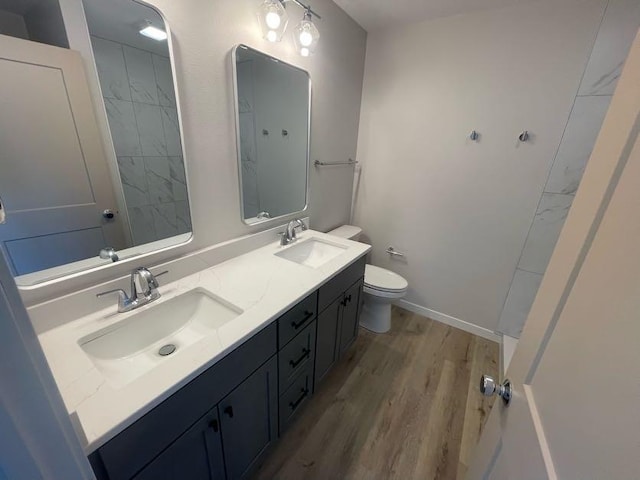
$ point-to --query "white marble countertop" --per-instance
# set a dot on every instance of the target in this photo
(260, 283)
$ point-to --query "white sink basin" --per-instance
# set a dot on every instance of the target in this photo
(128, 349)
(312, 252)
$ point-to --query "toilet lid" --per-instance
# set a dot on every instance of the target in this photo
(382, 279)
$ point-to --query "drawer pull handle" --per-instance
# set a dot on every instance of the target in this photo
(295, 404)
(305, 354)
(214, 424)
(229, 411)
(307, 316)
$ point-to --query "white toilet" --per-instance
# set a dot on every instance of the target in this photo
(381, 288)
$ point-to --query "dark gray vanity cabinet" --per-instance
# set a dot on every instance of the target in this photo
(245, 420)
(339, 306)
(221, 425)
(248, 418)
(234, 399)
(196, 454)
(350, 316)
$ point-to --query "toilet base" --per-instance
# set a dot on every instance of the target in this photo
(376, 314)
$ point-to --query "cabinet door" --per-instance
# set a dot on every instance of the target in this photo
(350, 310)
(196, 455)
(326, 346)
(249, 420)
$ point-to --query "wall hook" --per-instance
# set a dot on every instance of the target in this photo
(265, 132)
(524, 136)
(284, 132)
(474, 135)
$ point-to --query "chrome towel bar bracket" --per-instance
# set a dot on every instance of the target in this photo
(391, 251)
(318, 163)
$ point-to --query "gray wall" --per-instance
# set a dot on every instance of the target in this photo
(203, 34)
(45, 25)
(13, 25)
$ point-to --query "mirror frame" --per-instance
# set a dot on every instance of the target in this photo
(234, 57)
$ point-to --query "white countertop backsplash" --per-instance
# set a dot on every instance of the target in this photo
(263, 285)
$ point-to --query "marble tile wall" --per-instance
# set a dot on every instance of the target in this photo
(139, 97)
(617, 31)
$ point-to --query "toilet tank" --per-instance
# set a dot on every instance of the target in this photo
(350, 232)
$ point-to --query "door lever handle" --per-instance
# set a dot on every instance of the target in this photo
(489, 388)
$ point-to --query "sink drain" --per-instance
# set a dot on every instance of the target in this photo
(167, 349)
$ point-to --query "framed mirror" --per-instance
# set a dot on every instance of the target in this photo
(273, 119)
(79, 193)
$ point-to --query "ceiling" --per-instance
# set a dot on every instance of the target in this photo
(376, 14)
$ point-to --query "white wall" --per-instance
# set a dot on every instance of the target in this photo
(203, 34)
(460, 210)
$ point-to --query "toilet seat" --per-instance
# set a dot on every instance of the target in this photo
(384, 283)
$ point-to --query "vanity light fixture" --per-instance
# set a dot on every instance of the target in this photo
(273, 20)
(154, 33)
(306, 35)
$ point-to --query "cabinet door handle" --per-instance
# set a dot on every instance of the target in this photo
(348, 299)
(305, 354)
(293, 405)
(307, 316)
(214, 424)
(229, 411)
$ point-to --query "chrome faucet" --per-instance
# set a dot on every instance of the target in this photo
(289, 234)
(144, 289)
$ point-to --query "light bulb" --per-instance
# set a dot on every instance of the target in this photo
(273, 20)
(306, 38)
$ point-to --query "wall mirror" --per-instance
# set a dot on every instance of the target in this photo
(77, 195)
(273, 106)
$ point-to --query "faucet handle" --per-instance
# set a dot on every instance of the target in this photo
(154, 276)
(123, 298)
(108, 292)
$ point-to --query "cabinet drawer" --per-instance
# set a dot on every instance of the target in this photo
(296, 395)
(296, 356)
(340, 283)
(296, 319)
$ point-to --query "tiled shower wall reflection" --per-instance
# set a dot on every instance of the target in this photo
(139, 97)
(617, 31)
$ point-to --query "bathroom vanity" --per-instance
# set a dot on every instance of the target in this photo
(214, 407)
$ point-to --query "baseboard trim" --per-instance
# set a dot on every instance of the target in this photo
(449, 320)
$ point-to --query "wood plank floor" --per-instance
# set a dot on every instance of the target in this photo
(404, 405)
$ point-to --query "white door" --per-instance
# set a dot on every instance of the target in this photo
(54, 180)
(575, 411)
